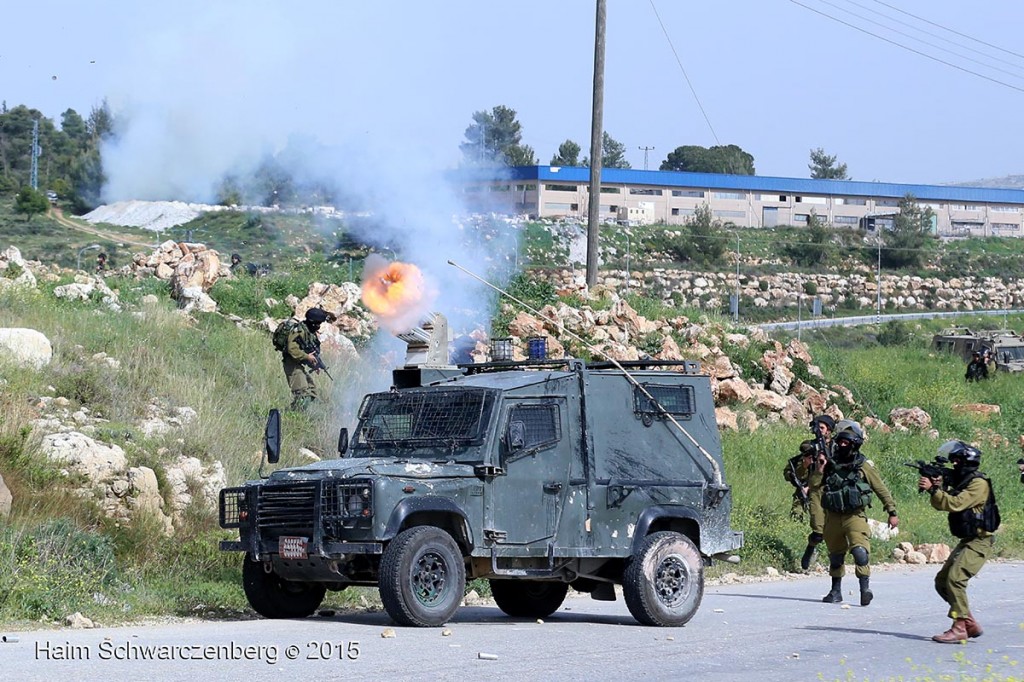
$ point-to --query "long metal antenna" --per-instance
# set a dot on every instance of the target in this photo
(597, 351)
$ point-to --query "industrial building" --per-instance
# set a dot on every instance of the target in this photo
(744, 200)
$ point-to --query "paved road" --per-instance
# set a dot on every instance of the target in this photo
(763, 631)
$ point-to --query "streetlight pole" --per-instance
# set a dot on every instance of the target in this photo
(736, 312)
(627, 261)
(878, 276)
(78, 265)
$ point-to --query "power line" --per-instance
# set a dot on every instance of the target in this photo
(930, 33)
(945, 28)
(680, 63)
(909, 49)
(645, 150)
(907, 35)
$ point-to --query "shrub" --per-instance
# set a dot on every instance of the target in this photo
(894, 333)
(810, 288)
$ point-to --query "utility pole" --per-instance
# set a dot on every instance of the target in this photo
(36, 151)
(596, 131)
(645, 150)
(878, 276)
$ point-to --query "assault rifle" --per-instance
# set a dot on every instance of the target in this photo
(934, 469)
(318, 363)
(798, 484)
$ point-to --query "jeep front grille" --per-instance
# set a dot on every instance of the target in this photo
(292, 509)
(287, 509)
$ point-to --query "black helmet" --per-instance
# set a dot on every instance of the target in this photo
(956, 451)
(823, 419)
(316, 315)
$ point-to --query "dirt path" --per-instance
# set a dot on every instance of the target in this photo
(58, 215)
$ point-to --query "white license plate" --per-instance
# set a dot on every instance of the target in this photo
(291, 547)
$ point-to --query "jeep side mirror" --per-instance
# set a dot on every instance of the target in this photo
(342, 441)
(272, 436)
(516, 436)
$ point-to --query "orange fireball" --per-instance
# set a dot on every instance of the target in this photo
(395, 292)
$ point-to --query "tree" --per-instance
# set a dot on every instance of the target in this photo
(568, 155)
(495, 138)
(814, 244)
(613, 153)
(905, 245)
(718, 159)
(702, 241)
(30, 202)
(824, 167)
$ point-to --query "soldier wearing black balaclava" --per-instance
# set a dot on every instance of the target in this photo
(849, 480)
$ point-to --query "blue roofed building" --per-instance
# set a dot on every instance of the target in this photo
(745, 200)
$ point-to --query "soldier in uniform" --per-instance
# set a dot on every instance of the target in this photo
(848, 482)
(822, 426)
(965, 496)
(976, 368)
(1020, 465)
(299, 357)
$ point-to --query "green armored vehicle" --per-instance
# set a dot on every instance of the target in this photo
(1005, 346)
(538, 476)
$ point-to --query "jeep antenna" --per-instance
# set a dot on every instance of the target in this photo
(597, 351)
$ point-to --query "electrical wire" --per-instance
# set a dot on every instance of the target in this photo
(931, 33)
(908, 48)
(945, 28)
(680, 63)
(1014, 74)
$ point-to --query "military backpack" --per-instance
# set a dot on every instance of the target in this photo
(283, 331)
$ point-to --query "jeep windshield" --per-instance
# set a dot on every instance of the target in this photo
(1010, 353)
(424, 423)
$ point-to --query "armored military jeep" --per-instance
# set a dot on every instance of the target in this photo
(1005, 346)
(538, 476)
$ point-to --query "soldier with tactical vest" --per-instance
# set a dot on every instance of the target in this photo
(966, 494)
(804, 472)
(299, 355)
(849, 479)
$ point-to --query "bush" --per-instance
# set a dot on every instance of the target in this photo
(763, 285)
(894, 333)
(810, 288)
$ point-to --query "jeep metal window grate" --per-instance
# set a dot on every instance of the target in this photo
(430, 416)
(676, 400)
(540, 423)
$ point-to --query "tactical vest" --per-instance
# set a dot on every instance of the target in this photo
(966, 524)
(844, 489)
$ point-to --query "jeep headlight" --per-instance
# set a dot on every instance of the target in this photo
(234, 508)
(356, 501)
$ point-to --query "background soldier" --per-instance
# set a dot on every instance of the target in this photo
(1020, 465)
(299, 355)
(967, 496)
(849, 480)
(822, 427)
(101, 263)
(976, 368)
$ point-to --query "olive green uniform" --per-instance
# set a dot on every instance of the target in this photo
(296, 366)
(815, 479)
(846, 530)
(967, 558)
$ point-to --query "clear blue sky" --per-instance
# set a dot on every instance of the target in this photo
(205, 83)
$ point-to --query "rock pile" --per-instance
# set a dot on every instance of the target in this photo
(15, 270)
(191, 269)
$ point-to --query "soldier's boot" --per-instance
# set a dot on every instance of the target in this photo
(956, 634)
(973, 627)
(865, 590)
(835, 595)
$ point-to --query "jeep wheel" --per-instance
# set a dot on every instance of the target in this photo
(422, 577)
(273, 597)
(664, 581)
(528, 598)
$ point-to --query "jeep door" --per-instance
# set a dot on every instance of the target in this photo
(523, 502)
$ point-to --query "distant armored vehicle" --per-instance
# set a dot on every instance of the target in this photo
(1005, 346)
(537, 475)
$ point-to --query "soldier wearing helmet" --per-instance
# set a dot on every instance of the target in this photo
(977, 368)
(966, 495)
(849, 480)
(805, 473)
